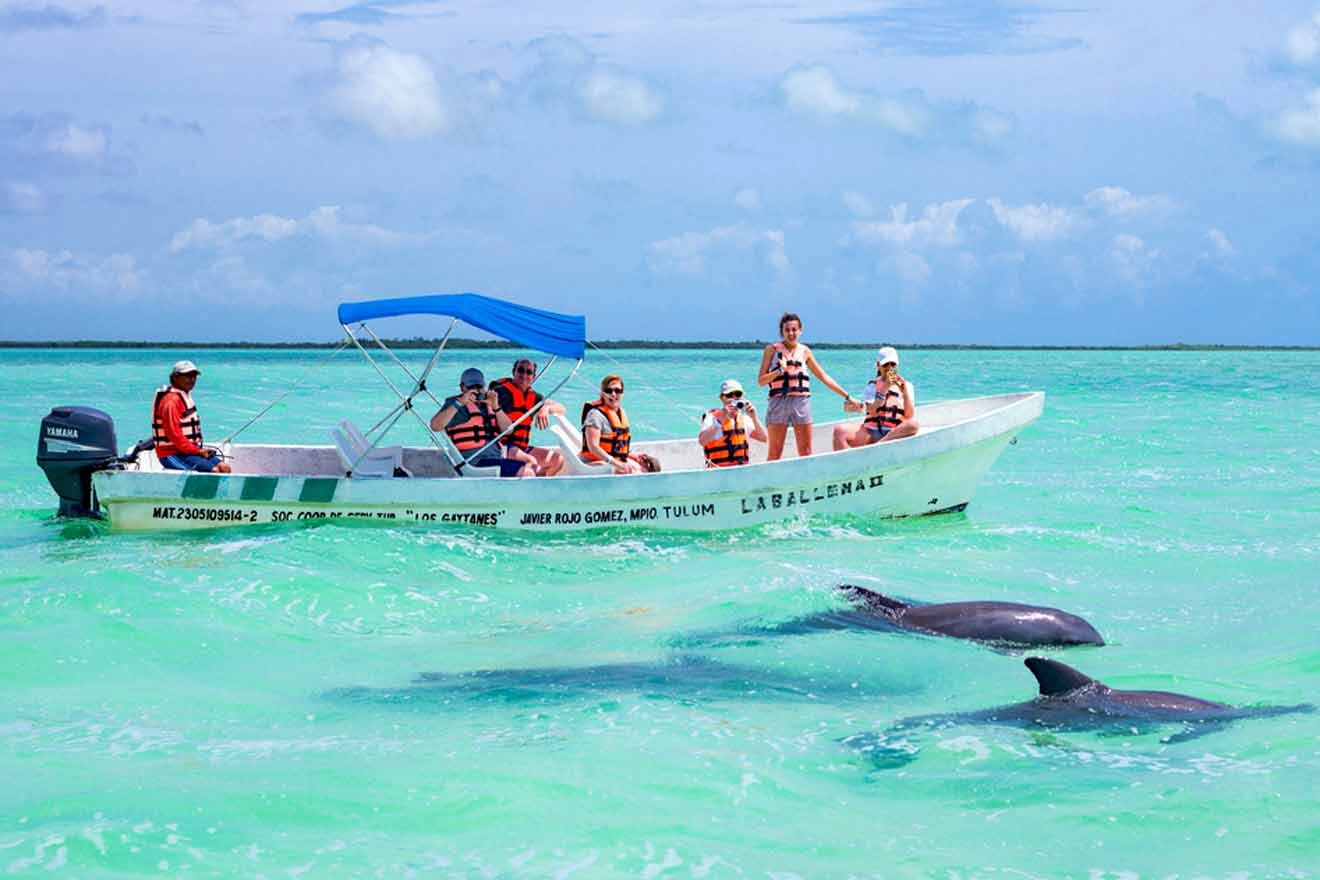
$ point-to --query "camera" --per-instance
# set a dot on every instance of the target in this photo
(740, 404)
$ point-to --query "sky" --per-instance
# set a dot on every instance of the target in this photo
(941, 172)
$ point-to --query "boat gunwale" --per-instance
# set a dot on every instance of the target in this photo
(695, 482)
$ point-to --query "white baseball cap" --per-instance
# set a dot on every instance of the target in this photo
(185, 367)
(887, 355)
(728, 386)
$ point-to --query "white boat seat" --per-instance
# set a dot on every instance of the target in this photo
(570, 444)
(361, 461)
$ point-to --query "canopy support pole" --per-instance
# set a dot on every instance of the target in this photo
(406, 402)
(419, 382)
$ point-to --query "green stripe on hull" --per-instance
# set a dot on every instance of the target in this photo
(201, 486)
(318, 489)
(259, 488)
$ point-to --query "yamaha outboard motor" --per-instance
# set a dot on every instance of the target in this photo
(74, 442)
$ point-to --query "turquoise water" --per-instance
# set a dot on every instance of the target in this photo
(253, 702)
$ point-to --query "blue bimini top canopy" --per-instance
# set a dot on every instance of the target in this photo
(551, 332)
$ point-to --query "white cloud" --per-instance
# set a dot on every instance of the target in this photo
(394, 94)
(858, 204)
(1131, 258)
(327, 223)
(687, 254)
(748, 199)
(1218, 245)
(231, 274)
(619, 98)
(77, 142)
(1302, 44)
(911, 268)
(990, 125)
(815, 91)
(1118, 202)
(18, 197)
(65, 270)
(202, 233)
(1301, 125)
(1042, 222)
(937, 225)
(324, 222)
(560, 72)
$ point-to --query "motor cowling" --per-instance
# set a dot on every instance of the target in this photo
(74, 442)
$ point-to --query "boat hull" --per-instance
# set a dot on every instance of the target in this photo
(936, 471)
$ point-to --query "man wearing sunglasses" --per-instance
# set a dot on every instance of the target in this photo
(516, 398)
(472, 418)
(724, 431)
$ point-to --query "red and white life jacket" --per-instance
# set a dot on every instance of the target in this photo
(190, 423)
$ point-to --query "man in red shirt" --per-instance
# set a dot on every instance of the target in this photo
(176, 427)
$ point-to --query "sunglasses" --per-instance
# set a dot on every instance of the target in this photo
(736, 395)
(613, 390)
(473, 387)
(524, 371)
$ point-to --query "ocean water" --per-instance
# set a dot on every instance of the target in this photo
(345, 700)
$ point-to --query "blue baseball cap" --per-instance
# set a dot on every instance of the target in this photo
(472, 376)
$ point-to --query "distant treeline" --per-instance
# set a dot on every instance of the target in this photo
(418, 342)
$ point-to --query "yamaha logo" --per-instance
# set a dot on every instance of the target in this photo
(55, 431)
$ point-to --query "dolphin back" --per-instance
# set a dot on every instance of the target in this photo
(1005, 623)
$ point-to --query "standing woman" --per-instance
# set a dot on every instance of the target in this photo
(784, 368)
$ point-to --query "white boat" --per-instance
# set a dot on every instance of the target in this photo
(936, 471)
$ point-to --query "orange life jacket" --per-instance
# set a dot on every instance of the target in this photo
(516, 405)
(619, 438)
(479, 429)
(730, 449)
(793, 381)
(190, 423)
(890, 412)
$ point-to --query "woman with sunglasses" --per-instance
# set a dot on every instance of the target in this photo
(725, 431)
(605, 432)
(890, 404)
(784, 367)
(517, 398)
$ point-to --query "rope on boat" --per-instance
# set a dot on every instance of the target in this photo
(306, 373)
(679, 407)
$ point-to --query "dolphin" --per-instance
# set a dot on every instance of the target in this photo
(682, 677)
(1002, 624)
(1072, 700)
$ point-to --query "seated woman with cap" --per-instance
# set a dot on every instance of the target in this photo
(890, 402)
(726, 430)
(472, 419)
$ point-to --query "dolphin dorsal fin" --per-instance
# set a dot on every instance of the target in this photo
(877, 602)
(1055, 677)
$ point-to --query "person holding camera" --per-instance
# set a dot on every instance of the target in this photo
(890, 403)
(725, 430)
(472, 419)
